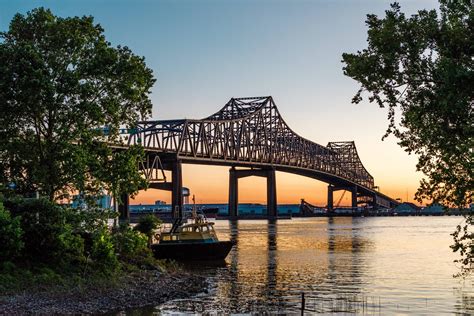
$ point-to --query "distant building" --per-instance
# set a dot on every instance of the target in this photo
(104, 201)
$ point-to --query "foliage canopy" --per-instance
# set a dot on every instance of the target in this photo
(422, 67)
(61, 83)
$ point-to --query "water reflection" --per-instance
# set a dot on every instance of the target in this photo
(465, 301)
(230, 291)
(273, 262)
(342, 264)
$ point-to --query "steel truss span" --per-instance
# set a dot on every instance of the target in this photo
(251, 132)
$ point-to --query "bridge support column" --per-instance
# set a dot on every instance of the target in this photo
(177, 189)
(354, 197)
(332, 188)
(330, 198)
(235, 175)
(124, 208)
(233, 192)
(271, 194)
(375, 205)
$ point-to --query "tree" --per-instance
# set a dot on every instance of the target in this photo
(65, 93)
(422, 68)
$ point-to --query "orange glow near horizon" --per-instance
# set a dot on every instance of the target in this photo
(210, 184)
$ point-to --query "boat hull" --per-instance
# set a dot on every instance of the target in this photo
(192, 250)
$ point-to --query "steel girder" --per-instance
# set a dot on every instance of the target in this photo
(347, 156)
(250, 130)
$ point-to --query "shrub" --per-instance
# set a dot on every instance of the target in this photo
(71, 246)
(47, 276)
(7, 267)
(38, 234)
(10, 235)
(129, 243)
(148, 225)
(91, 219)
(48, 237)
(103, 252)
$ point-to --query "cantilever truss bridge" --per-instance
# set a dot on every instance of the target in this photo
(250, 132)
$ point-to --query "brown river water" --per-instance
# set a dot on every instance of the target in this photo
(343, 265)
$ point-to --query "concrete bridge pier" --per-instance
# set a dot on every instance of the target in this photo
(175, 186)
(332, 189)
(375, 205)
(271, 194)
(235, 175)
(233, 191)
(354, 197)
(330, 198)
(177, 189)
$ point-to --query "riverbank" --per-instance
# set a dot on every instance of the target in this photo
(134, 290)
(60, 260)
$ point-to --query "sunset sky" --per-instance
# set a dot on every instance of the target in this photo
(205, 52)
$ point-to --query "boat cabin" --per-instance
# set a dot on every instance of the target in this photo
(195, 232)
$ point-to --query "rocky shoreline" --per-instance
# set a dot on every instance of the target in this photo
(140, 289)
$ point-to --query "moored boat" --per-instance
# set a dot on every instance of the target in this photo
(195, 241)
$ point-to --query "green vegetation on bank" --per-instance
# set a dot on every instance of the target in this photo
(47, 244)
(65, 94)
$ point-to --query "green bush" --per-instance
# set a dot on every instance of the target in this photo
(47, 276)
(148, 225)
(103, 253)
(10, 235)
(71, 246)
(48, 236)
(7, 267)
(86, 221)
(129, 243)
(7, 281)
(43, 243)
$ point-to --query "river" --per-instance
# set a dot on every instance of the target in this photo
(373, 265)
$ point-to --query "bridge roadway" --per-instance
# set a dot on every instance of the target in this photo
(250, 136)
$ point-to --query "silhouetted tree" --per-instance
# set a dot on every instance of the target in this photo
(61, 82)
(422, 68)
